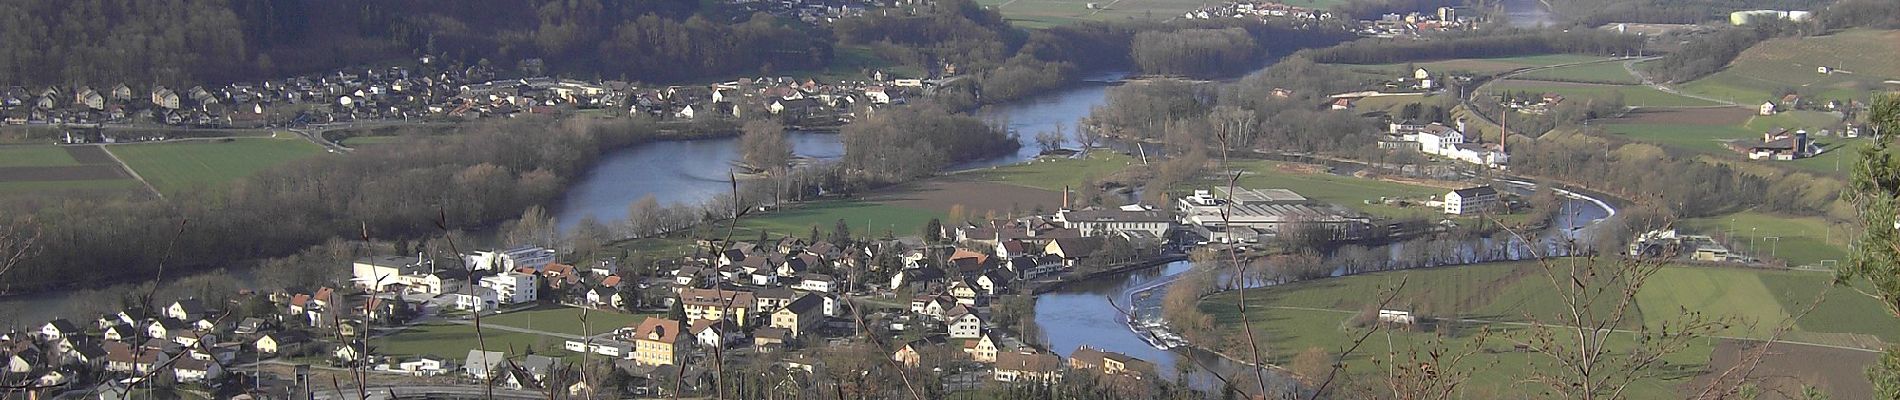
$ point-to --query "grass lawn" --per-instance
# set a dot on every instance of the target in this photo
(1316, 313)
(1804, 240)
(865, 217)
(453, 341)
(1488, 65)
(355, 141)
(181, 166)
(1603, 72)
(1348, 191)
(1701, 138)
(1036, 14)
(1633, 95)
(564, 320)
(1053, 174)
(1776, 64)
(35, 156)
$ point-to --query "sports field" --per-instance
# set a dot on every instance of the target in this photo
(181, 166)
(1056, 173)
(562, 319)
(1803, 240)
(1349, 191)
(453, 341)
(1862, 59)
(1315, 313)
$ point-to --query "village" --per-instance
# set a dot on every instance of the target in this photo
(933, 302)
(1410, 25)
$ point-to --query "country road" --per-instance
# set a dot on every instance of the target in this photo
(1630, 65)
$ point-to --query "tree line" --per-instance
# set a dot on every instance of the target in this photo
(901, 143)
(488, 173)
(1481, 45)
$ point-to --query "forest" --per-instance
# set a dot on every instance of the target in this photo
(898, 144)
(186, 42)
(1485, 45)
(1195, 52)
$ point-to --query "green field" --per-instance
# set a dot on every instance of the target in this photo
(866, 218)
(1633, 95)
(1603, 72)
(1055, 173)
(453, 341)
(1700, 138)
(1047, 13)
(1483, 65)
(355, 141)
(1785, 63)
(1812, 121)
(1348, 191)
(564, 320)
(181, 166)
(35, 156)
(1804, 240)
(1315, 313)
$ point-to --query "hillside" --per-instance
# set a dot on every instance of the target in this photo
(1860, 61)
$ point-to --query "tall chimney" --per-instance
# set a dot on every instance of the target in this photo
(1065, 197)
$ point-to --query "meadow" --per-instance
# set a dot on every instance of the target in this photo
(181, 166)
(35, 156)
(1603, 72)
(561, 319)
(1036, 14)
(1633, 95)
(1482, 65)
(1758, 73)
(1315, 314)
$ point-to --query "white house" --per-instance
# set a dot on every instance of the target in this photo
(512, 287)
(1768, 108)
(964, 324)
(511, 259)
(480, 300)
(380, 272)
(424, 366)
(1470, 200)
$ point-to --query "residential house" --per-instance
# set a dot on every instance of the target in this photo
(512, 259)
(426, 365)
(766, 340)
(190, 309)
(512, 287)
(59, 328)
(196, 370)
(815, 282)
(1087, 358)
(1027, 366)
(771, 299)
(716, 334)
(129, 360)
(964, 323)
(658, 341)
(716, 304)
(478, 299)
(1472, 200)
(1072, 249)
(282, 342)
(984, 348)
(933, 306)
(800, 316)
(913, 354)
(483, 365)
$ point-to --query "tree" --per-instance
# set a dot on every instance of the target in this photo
(763, 145)
(1049, 141)
(841, 233)
(677, 312)
(933, 231)
(1876, 258)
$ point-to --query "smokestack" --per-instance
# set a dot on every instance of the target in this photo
(1065, 197)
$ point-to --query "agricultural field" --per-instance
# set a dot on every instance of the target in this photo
(566, 320)
(1348, 191)
(1863, 59)
(181, 166)
(1603, 72)
(1706, 130)
(1804, 240)
(47, 170)
(1316, 314)
(866, 218)
(1633, 95)
(1046, 13)
(1483, 65)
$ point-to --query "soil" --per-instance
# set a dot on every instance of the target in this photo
(1721, 116)
(89, 155)
(77, 173)
(1785, 368)
(975, 197)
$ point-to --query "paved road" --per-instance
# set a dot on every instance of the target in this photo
(1476, 91)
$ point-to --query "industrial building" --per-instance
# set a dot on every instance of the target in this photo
(1247, 215)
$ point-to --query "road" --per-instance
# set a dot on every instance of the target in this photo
(135, 173)
(1476, 91)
